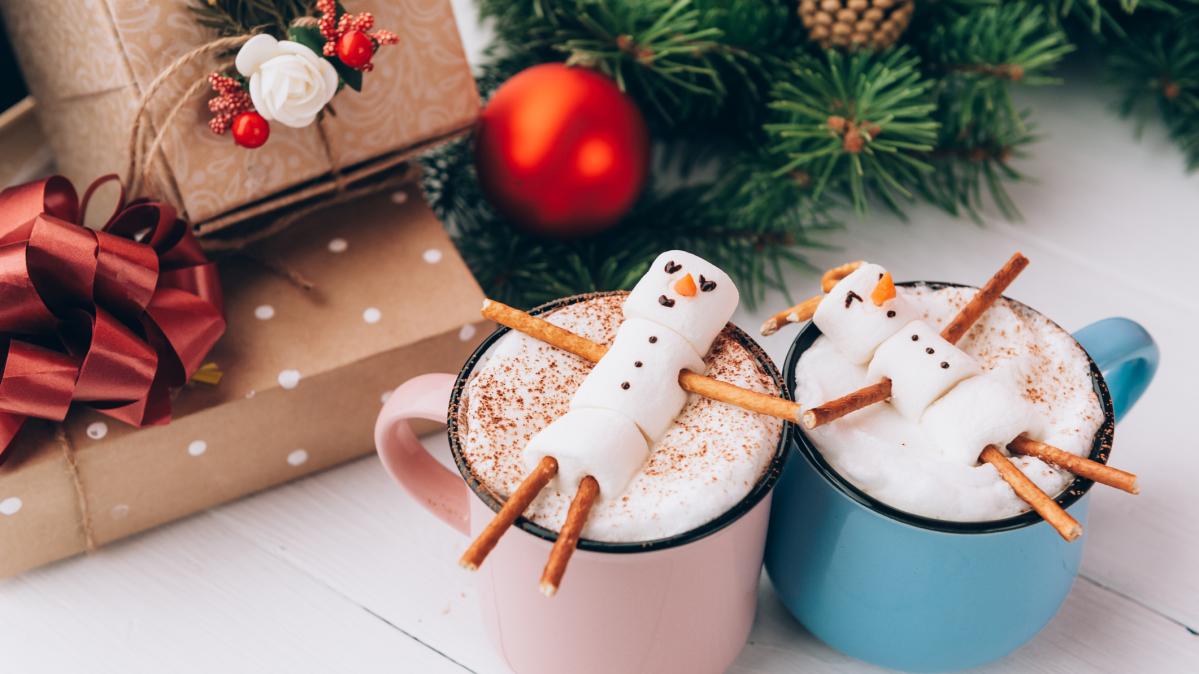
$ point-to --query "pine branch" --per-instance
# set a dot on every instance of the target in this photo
(1157, 66)
(239, 17)
(856, 124)
(978, 57)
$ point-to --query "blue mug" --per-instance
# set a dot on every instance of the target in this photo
(926, 595)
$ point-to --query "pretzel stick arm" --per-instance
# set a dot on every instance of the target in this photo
(1080, 466)
(797, 314)
(513, 507)
(1030, 493)
(732, 394)
(568, 537)
(835, 409)
(692, 382)
(543, 330)
(984, 298)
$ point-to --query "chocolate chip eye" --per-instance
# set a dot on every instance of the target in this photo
(665, 301)
(915, 338)
(672, 267)
(944, 365)
(891, 314)
(929, 351)
(624, 385)
(653, 340)
(637, 363)
(705, 285)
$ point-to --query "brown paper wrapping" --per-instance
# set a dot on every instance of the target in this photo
(397, 264)
(87, 64)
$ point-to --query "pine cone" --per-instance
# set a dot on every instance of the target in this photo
(855, 24)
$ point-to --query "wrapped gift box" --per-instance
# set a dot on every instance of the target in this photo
(87, 64)
(304, 375)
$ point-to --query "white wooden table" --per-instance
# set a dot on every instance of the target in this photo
(342, 573)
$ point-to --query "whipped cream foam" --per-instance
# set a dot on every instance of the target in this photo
(709, 458)
(894, 459)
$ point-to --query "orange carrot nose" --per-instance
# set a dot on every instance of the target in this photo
(883, 290)
(685, 286)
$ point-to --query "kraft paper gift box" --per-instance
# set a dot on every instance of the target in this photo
(304, 374)
(88, 62)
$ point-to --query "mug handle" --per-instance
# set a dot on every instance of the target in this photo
(440, 490)
(1126, 355)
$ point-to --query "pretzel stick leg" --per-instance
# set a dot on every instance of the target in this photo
(797, 314)
(835, 409)
(568, 537)
(984, 298)
(1080, 466)
(513, 507)
(1030, 493)
(588, 350)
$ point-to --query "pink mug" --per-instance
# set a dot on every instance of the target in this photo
(680, 604)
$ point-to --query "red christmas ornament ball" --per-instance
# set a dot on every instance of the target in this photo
(355, 49)
(250, 129)
(561, 150)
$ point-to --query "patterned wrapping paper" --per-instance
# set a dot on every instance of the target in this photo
(305, 374)
(87, 63)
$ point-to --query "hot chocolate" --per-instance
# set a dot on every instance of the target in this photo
(902, 458)
(704, 462)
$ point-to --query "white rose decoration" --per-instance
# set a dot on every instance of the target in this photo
(288, 81)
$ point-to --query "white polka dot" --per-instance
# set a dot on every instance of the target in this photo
(466, 332)
(372, 315)
(120, 511)
(399, 197)
(432, 256)
(338, 245)
(289, 379)
(10, 506)
(297, 457)
(197, 447)
(97, 430)
(264, 312)
(385, 397)
(251, 393)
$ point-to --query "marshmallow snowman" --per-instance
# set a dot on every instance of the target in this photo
(984, 410)
(852, 319)
(922, 367)
(632, 395)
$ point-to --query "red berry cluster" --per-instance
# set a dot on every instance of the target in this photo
(349, 36)
(232, 99)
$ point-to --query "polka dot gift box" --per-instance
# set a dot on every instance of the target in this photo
(303, 376)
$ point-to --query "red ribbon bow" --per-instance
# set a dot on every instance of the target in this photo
(115, 318)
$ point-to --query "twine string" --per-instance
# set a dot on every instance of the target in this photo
(85, 517)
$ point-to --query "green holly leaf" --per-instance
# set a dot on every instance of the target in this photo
(309, 36)
(352, 78)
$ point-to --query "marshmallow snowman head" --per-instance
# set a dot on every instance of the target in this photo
(856, 318)
(687, 294)
(921, 365)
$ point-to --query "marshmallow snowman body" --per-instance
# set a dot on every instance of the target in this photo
(632, 395)
(980, 411)
(922, 367)
(577, 438)
(639, 376)
(695, 310)
(852, 321)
